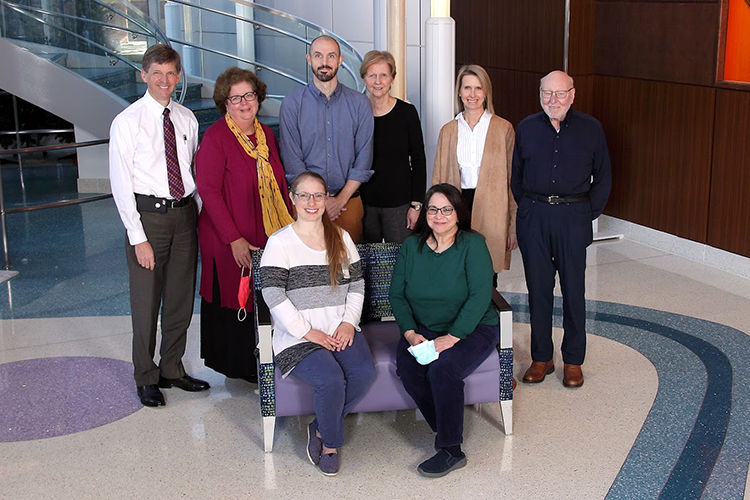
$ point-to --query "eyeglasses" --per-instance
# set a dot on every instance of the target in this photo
(446, 211)
(560, 94)
(305, 197)
(249, 97)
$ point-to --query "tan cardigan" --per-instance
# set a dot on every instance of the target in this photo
(494, 212)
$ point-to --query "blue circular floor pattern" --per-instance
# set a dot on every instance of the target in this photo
(50, 397)
(694, 443)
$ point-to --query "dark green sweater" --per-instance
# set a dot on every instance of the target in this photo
(446, 292)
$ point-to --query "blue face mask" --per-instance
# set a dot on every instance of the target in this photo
(425, 352)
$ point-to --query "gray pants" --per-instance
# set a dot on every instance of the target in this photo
(171, 284)
(387, 224)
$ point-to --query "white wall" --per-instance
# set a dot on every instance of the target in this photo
(353, 20)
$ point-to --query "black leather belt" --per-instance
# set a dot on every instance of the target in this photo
(557, 200)
(146, 203)
(355, 195)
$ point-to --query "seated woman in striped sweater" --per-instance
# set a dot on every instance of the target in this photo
(313, 284)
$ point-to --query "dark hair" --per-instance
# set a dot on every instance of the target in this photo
(336, 252)
(232, 76)
(457, 201)
(161, 54)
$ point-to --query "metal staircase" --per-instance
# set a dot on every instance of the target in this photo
(101, 43)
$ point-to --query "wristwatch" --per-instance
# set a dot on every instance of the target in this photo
(416, 206)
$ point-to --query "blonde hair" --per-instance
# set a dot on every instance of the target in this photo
(484, 81)
(377, 56)
(336, 252)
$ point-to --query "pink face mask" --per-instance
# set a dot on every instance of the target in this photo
(243, 294)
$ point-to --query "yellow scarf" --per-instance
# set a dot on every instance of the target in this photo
(275, 213)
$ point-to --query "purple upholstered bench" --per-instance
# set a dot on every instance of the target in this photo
(491, 382)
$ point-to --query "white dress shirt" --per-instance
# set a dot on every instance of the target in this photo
(137, 159)
(470, 148)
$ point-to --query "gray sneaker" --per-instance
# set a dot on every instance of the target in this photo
(329, 464)
(314, 444)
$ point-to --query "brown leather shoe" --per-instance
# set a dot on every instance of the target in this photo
(572, 376)
(538, 370)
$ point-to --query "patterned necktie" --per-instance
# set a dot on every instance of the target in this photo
(176, 187)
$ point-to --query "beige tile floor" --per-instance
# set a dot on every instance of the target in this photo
(567, 444)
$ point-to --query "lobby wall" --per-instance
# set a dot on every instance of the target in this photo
(647, 71)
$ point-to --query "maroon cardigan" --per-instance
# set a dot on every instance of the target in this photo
(227, 182)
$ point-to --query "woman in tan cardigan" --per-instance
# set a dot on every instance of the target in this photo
(474, 154)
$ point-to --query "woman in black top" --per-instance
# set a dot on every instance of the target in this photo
(391, 197)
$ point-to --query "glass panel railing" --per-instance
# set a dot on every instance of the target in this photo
(216, 35)
(103, 41)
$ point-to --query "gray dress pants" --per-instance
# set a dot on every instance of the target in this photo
(170, 285)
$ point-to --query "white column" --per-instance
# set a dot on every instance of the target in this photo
(245, 35)
(440, 49)
(380, 24)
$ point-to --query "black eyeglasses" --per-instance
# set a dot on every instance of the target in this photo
(249, 97)
(560, 94)
(446, 211)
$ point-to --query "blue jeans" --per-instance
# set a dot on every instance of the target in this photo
(438, 388)
(339, 380)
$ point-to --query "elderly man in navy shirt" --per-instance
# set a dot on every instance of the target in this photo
(327, 128)
(561, 181)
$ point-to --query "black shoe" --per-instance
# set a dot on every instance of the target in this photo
(186, 383)
(151, 395)
(441, 464)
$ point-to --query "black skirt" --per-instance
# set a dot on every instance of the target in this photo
(227, 344)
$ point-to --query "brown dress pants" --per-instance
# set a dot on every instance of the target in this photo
(171, 285)
(351, 218)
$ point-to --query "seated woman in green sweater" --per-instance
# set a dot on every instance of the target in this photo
(441, 292)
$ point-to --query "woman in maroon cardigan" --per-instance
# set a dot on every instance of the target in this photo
(241, 182)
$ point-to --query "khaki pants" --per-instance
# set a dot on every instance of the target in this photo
(351, 219)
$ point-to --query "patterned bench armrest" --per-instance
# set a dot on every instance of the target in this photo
(505, 351)
(506, 319)
(266, 370)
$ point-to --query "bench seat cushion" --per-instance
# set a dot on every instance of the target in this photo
(294, 397)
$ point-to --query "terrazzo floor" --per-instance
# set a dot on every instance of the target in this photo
(664, 412)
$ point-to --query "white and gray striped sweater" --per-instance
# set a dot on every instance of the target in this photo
(296, 287)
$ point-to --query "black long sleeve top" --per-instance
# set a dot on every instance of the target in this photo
(399, 161)
(570, 162)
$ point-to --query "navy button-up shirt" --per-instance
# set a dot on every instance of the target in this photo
(331, 137)
(570, 162)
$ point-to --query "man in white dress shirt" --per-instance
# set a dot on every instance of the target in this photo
(151, 149)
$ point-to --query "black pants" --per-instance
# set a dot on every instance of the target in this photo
(553, 239)
(469, 197)
(438, 388)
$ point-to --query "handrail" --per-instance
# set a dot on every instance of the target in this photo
(85, 19)
(303, 22)
(72, 33)
(4, 212)
(38, 131)
(59, 204)
(154, 26)
(241, 59)
(54, 147)
(157, 33)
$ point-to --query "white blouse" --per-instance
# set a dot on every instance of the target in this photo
(470, 148)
